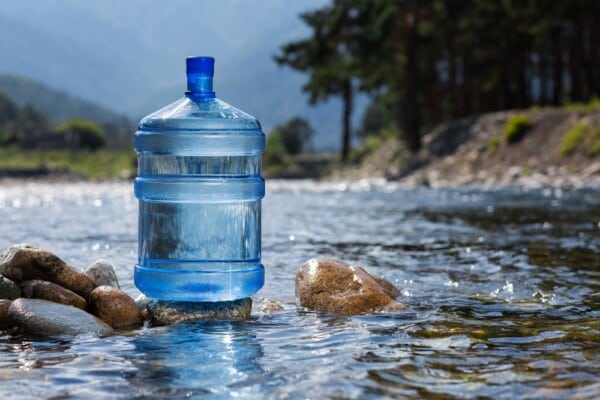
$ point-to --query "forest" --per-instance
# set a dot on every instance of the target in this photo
(426, 62)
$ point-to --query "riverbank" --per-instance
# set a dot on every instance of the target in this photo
(556, 147)
(65, 165)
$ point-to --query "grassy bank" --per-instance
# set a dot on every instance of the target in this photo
(87, 165)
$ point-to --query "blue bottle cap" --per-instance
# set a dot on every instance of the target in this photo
(200, 65)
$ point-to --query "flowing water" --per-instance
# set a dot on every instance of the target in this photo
(502, 289)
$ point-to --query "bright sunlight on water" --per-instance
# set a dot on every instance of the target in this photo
(502, 288)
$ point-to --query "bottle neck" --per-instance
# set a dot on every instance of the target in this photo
(200, 85)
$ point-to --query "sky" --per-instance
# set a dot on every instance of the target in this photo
(130, 55)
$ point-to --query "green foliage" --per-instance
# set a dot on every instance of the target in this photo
(369, 145)
(493, 145)
(593, 138)
(584, 108)
(445, 59)
(515, 129)
(84, 134)
(294, 135)
(275, 154)
(97, 165)
(572, 138)
(376, 120)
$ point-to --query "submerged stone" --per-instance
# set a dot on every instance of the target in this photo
(103, 274)
(36, 289)
(329, 285)
(5, 322)
(42, 317)
(23, 262)
(161, 312)
(270, 306)
(115, 307)
(8, 289)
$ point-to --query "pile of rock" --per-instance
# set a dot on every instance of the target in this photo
(41, 294)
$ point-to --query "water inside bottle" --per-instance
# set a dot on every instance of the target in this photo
(200, 190)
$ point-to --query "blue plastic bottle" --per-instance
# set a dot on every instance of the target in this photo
(199, 189)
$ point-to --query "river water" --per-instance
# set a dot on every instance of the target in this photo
(502, 288)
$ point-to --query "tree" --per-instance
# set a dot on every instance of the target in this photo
(326, 56)
(291, 137)
(435, 60)
(83, 134)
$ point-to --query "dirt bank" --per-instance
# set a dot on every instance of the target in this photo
(475, 151)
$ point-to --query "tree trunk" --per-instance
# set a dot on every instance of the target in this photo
(575, 62)
(347, 100)
(543, 75)
(557, 68)
(411, 120)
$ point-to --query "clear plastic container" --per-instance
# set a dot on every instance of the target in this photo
(199, 189)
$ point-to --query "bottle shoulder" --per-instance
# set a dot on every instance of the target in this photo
(188, 113)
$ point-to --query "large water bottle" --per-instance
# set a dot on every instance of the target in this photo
(199, 189)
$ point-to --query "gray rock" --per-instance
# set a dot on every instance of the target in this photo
(161, 312)
(42, 317)
(5, 322)
(115, 307)
(45, 290)
(103, 274)
(8, 289)
(23, 262)
(329, 285)
(270, 306)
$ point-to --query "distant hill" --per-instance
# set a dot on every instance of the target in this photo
(56, 104)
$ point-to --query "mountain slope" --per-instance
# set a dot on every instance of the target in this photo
(56, 104)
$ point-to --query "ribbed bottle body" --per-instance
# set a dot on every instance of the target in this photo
(199, 189)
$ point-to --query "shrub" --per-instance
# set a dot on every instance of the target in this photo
(516, 127)
(572, 138)
(83, 133)
(594, 142)
(583, 108)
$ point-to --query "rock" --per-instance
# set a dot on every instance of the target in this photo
(23, 262)
(45, 290)
(163, 312)
(103, 274)
(270, 306)
(8, 289)
(328, 285)
(5, 322)
(115, 307)
(43, 317)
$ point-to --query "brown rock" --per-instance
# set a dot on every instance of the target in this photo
(45, 290)
(5, 322)
(328, 285)
(8, 289)
(42, 317)
(24, 262)
(115, 307)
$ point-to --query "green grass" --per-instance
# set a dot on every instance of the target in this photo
(583, 108)
(572, 138)
(98, 165)
(516, 127)
(594, 148)
(581, 136)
